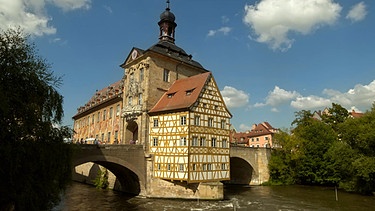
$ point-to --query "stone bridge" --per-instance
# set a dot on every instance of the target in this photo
(128, 163)
(249, 166)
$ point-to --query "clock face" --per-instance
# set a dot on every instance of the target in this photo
(134, 54)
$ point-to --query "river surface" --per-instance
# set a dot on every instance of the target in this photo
(84, 197)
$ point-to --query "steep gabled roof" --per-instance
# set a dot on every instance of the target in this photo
(182, 94)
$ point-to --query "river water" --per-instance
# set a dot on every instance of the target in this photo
(84, 197)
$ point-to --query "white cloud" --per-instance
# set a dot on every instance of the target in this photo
(273, 20)
(277, 97)
(357, 12)
(360, 96)
(234, 98)
(68, 5)
(31, 16)
(224, 30)
(310, 102)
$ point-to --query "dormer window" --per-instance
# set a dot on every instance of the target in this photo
(188, 92)
(170, 95)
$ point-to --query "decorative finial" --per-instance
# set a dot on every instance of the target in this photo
(168, 5)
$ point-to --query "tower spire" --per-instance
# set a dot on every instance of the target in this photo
(167, 25)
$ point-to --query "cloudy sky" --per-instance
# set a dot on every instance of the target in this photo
(270, 58)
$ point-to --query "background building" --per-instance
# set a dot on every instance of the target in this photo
(260, 135)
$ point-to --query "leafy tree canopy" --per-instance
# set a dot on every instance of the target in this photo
(338, 150)
(35, 163)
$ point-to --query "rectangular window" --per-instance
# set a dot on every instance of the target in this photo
(93, 119)
(225, 143)
(130, 100)
(197, 120)
(213, 142)
(194, 142)
(103, 137)
(156, 123)
(202, 142)
(118, 110)
(210, 122)
(181, 167)
(141, 73)
(183, 120)
(257, 139)
(155, 142)
(223, 123)
(183, 141)
(209, 166)
(166, 75)
(204, 167)
(104, 113)
(98, 116)
(110, 112)
(116, 136)
(159, 166)
(223, 166)
(140, 99)
(109, 137)
(194, 167)
(168, 167)
(266, 138)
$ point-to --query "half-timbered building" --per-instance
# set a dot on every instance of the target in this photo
(189, 134)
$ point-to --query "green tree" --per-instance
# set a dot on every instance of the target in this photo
(303, 117)
(283, 159)
(359, 136)
(337, 115)
(314, 141)
(35, 163)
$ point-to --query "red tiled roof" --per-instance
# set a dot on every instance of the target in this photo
(355, 114)
(182, 94)
(260, 130)
(101, 96)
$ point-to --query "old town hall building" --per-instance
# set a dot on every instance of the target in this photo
(168, 103)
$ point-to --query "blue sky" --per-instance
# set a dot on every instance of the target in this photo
(270, 58)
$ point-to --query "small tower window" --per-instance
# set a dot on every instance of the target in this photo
(166, 75)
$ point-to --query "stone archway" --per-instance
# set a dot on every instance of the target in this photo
(241, 172)
(131, 132)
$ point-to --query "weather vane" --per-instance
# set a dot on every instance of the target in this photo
(168, 4)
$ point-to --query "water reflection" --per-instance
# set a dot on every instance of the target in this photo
(83, 197)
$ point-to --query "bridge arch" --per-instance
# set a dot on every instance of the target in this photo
(249, 165)
(241, 171)
(121, 161)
